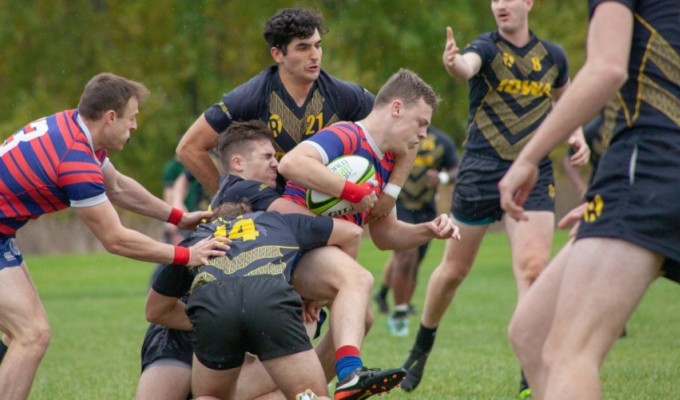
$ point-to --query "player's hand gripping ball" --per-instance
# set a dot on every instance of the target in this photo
(355, 169)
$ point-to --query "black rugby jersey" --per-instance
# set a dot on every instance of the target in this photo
(649, 101)
(262, 244)
(265, 98)
(437, 151)
(512, 93)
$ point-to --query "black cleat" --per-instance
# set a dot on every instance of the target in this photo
(364, 383)
(415, 367)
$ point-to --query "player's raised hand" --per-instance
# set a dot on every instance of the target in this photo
(201, 252)
(451, 51)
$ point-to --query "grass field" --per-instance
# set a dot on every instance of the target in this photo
(96, 308)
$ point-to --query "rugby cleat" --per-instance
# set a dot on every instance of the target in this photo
(415, 367)
(364, 383)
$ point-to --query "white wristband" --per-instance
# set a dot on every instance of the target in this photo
(392, 189)
(444, 177)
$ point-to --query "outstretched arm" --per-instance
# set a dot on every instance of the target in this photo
(460, 66)
(104, 222)
(129, 194)
(391, 234)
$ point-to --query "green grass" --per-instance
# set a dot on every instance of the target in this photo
(96, 308)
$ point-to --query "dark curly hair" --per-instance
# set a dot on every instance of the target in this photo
(291, 23)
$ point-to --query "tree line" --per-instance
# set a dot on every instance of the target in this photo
(190, 52)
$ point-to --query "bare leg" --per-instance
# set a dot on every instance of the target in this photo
(404, 267)
(297, 372)
(208, 384)
(531, 321)
(603, 282)
(328, 273)
(530, 244)
(161, 382)
(459, 255)
(24, 319)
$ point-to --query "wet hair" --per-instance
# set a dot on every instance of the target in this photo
(407, 86)
(107, 91)
(240, 137)
(291, 23)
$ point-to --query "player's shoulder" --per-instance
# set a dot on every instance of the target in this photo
(553, 48)
(339, 87)
(482, 44)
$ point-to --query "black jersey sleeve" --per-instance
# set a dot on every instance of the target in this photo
(311, 232)
(172, 280)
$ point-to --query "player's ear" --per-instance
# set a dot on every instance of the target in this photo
(396, 107)
(236, 163)
(109, 116)
(277, 54)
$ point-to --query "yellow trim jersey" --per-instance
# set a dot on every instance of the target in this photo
(512, 93)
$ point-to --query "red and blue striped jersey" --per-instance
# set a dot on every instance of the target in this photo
(344, 138)
(47, 166)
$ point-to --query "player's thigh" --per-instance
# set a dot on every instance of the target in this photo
(297, 372)
(164, 382)
(531, 241)
(322, 271)
(459, 255)
(254, 381)
(603, 282)
(533, 316)
(20, 306)
(212, 382)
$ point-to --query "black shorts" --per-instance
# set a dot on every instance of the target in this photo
(425, 214)
(161, 343)
(476, 199)
(636, 195)
(259, 315)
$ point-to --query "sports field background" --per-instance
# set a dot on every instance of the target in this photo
(96, 307)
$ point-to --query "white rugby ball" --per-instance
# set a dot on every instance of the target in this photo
(352, 167)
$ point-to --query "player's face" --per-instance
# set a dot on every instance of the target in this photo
(511, 15)
(302, 61)
(261, 165)
(411, 126)
(122, 126)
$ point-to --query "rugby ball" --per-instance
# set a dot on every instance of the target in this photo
(355, 169)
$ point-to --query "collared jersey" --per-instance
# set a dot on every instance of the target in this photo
(47, 166)
(265, 98)
(512, 93)
(340, 139)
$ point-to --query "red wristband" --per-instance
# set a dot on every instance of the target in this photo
(353, 192)
(175, 216)
(182, 255)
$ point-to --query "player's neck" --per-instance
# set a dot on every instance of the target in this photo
(297, 89)
(95, 128)
(518, 38)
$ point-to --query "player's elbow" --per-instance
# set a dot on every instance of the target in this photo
(288, 166)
